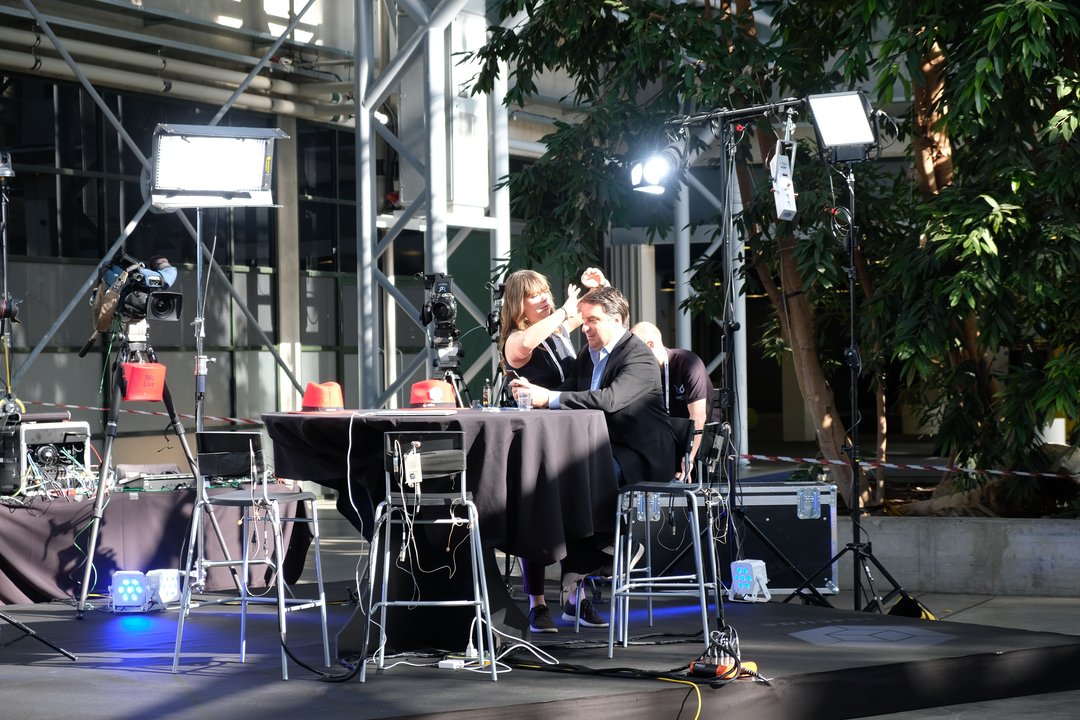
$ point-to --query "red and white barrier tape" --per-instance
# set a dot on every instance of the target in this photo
(898, 466)
(768, 458)
(238, 421)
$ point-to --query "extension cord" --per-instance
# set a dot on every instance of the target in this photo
(452, 664)
(724, 669)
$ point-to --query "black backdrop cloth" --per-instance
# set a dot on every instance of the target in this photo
(541, 479)
(43, 542)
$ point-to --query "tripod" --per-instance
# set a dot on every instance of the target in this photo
(134, 348)
(863, 555)
(447, 359)
(461, 390)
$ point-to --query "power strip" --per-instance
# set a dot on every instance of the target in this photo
(452, 664)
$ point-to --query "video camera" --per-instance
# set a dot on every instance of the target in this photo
(135, 291)
(143, 291)
(494, 318)
(441, 308)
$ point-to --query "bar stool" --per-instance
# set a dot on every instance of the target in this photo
(634, 509)
(234, 455)
(425, 474)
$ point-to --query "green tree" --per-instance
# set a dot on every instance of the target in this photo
(967, 263)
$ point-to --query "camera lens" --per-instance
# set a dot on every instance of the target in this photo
(444, 308)
(162, 306)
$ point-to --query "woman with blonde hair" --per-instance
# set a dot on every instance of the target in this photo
(534, 335)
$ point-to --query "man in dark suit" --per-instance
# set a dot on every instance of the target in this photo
(617, 374)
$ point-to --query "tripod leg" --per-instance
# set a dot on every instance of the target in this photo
(807, 582)
(30, 633)
(461, 390)
(867, 556)
(99, 498)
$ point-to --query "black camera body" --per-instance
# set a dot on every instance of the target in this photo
(494, 318)
(440, 309)
(144, 294)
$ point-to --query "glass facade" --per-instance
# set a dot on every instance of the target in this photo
(79, 185)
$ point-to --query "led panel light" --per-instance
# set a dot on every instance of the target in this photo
(163, 587)
(199, 166)
(842, 122)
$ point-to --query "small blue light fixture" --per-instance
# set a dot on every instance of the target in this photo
(749, 582)
(129, 592)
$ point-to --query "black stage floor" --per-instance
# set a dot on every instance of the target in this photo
(820, 663)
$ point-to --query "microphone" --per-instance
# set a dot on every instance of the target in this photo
(89, 344)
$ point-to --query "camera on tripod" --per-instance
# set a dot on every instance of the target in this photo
(440, 308)
(135, 292)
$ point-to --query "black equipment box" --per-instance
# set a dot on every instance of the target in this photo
(791, 527)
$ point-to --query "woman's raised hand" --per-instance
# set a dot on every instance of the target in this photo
(570, 307)
(593, 277)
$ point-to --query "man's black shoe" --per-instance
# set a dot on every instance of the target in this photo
(589, 616)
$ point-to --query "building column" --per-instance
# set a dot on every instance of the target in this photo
(287, 277)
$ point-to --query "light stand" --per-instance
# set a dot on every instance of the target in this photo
(200, 167)
(862, 551)
(8, 308)
(10, 407)
(646, 177)
(843, 123)
(729, 458)
(197, 166)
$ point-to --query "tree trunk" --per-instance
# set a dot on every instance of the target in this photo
(933, 150)
(797, 328)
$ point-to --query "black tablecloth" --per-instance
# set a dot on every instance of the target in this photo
(541, 479)
(43, 543)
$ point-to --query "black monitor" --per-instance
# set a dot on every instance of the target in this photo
(227, 453)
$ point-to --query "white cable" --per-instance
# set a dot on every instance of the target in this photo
(540, 654)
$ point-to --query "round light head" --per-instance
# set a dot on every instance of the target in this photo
(654, 173)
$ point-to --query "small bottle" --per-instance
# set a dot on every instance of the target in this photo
(486, 393)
